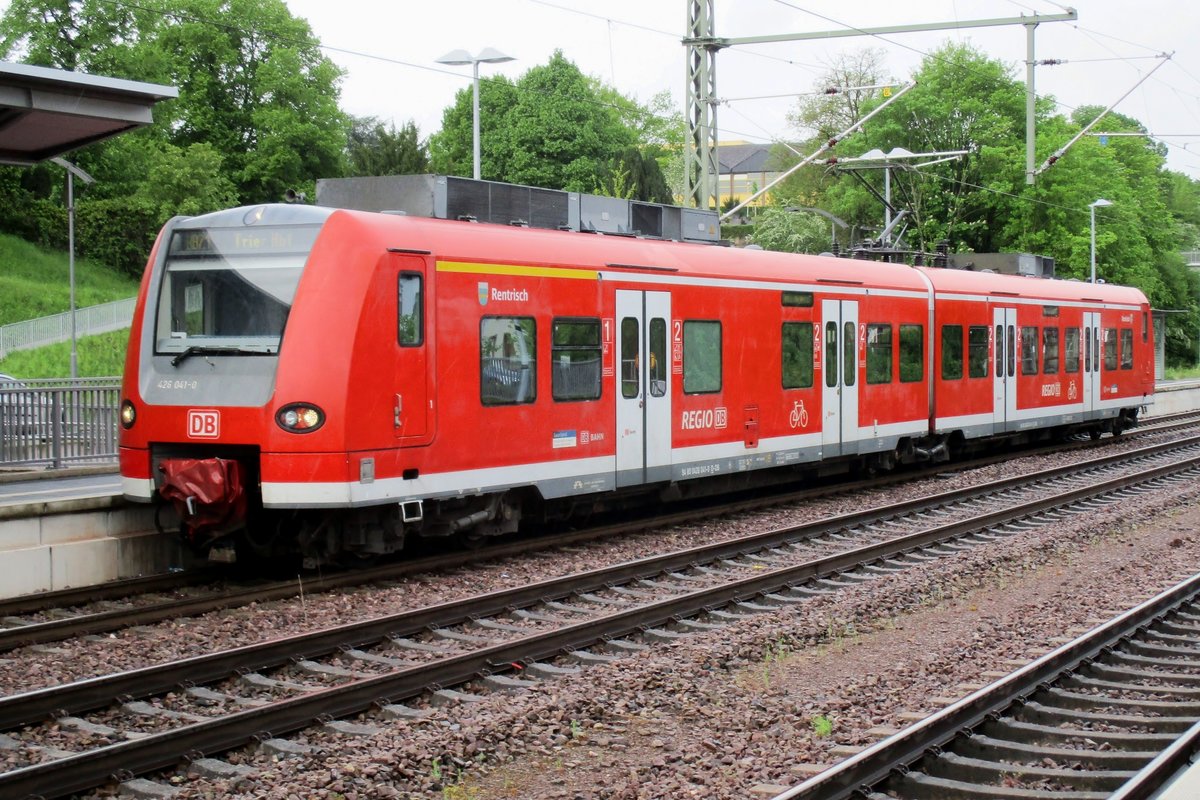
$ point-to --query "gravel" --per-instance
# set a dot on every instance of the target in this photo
(739, 713)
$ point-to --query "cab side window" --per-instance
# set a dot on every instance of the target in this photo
(411, 329)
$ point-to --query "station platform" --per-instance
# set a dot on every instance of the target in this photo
(72, 527)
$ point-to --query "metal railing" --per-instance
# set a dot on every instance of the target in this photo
(58, 423)
(57, 327)
(1192, 257)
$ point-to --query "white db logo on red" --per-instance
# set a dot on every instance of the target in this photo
(203, 424)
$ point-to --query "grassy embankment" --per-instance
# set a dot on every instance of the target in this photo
(34, 283)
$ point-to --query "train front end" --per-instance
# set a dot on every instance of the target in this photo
(198, 398)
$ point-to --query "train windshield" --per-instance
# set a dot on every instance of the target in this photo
(229, 290)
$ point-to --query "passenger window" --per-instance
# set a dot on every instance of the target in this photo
(879, 354)
(1126, 348)
(1029, 351)
(410, 306)
(1071, 343)
(507, 360)
(999, 351)
(701, 356)
(797, 355)
(849, 340)
(575, 359)
(977, 356)
(831, 364)
(631, 342)
(952, 352)
(658, 357)
(912, 353)
(1050, 351)
(1110, 348)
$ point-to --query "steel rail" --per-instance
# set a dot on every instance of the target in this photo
(117, 619)
(156, 751)
(859, 772)
(89, 694)
(86, 695)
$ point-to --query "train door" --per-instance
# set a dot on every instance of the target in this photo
(1093, 356)
(410, 382)
(643, 387)
(1004, 359)
(839, 364)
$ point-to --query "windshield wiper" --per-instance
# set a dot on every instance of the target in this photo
(199, 349)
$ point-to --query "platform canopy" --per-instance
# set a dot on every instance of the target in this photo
(47, 112)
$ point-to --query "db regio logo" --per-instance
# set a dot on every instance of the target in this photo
(203, 424)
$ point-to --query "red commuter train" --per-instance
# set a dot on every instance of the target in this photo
(326, 381)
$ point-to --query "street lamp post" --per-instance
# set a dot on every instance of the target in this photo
(1101, 203)
(489, 55)
(72, 171)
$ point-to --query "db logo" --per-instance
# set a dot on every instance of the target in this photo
(203, 424)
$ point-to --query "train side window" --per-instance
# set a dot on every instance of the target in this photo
(1029, 350)
(507, 360)
(831, 362)
(1145, 326)
(1071, 343)
(797, 355)
(631, 358)
(410, 305)
(575, 359)
(1087, 349)
(999, 351)
(658, 357)
(1110, 348)
(701, 356)
(1050, 351)
(1012, 350)
(879, 354)
(977, 351)
(952, 352)
(1126, 348)
(912, 353)
(849, 342)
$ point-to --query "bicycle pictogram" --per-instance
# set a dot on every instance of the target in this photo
(799, 416)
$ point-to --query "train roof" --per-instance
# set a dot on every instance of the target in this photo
(500, 244)
(957, 281)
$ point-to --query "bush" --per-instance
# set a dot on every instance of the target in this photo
(118, 232)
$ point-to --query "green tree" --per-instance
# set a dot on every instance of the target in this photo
(252, 80)
(552, 128)
(376, 149)
(790, 232)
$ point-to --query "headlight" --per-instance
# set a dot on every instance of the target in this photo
(128, 414)
(300, 418)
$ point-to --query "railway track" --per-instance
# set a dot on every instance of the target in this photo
(55, 616)
(1113, 714)
(151, 718)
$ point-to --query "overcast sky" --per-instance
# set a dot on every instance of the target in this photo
(389, 50)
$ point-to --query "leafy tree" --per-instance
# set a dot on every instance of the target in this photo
(376, 149)
(790, 232)
(450, 149)
(840, 102)
(559, 129)
(253, 83)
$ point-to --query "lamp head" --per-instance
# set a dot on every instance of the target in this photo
(490, 55)
(457, 58)
(1101, 203)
